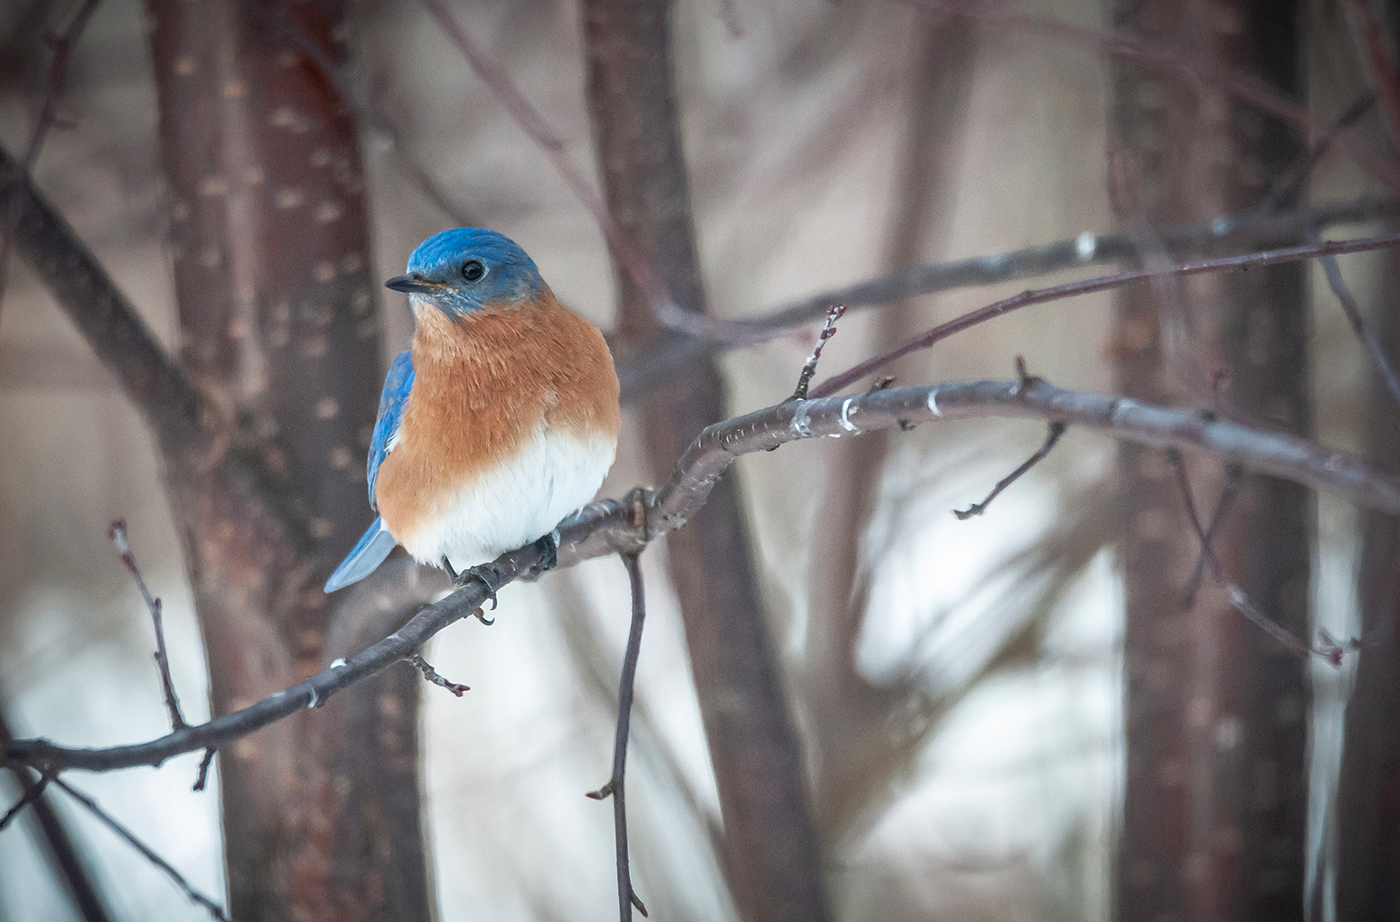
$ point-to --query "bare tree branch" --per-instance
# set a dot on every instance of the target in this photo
(609, 527)
(1101, 283)
(1241, 601)
(146, 851)
(67, 860)
(159, 389)
(1338, 284)
(43, 121)
(623, 247)
(1251, 229)
(1056, 430)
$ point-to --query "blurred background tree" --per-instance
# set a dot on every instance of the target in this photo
(1014, 716)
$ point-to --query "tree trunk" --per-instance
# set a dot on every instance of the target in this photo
(771, 858)
(1216, 799)
(269, 240)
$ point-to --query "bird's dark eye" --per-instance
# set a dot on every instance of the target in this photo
(473, 270)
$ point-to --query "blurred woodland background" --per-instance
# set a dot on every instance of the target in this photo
(851, 704)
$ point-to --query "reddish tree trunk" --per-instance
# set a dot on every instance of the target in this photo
(276, 306)
(1216, 799)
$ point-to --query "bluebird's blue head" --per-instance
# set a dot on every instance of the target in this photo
(465, 270)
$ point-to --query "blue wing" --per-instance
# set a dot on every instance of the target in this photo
(376, 543)
(397, 384)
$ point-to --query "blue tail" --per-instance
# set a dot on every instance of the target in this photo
(374, 545)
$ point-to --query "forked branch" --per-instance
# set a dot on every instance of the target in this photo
(611, 526)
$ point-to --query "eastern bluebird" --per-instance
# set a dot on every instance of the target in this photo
(499, 420)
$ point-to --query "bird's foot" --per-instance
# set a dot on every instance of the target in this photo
(479, 575)
(548, 546)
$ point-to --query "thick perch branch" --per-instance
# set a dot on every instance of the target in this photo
(608, 527)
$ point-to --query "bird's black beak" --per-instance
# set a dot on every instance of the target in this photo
(412, 284)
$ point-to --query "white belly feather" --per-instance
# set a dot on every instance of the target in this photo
(518, 502)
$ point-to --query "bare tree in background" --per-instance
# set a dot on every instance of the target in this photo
(771, 855)
(1216, 800)
(263, 421)
(276, 294)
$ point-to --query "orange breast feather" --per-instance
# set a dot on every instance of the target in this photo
(483, 386)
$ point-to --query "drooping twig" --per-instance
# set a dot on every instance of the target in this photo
(117, 534)
(626, 896)
(809, 368)
(1237, 596)
(68, 861)
(1338, 284)
(1286, 186)
(201, 777)
(611, 527)
(1234, 479)
(1057, 429)
(146, 851)
(32, 792)
(1101, 283)
(53, 88)
(432, 676)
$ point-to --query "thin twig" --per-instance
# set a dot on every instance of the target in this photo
(1338, 284)
(53, 829)
(201, 778)
(432, 676)
(117, 534)
(809, 368)
(31, 793)
(1101, 283)
(1229, 492)
(1251, 228)
(146, 851)
(610, 526)
(1057, 429)
(626, 896)
(1289, 183)
(1237, 596)
(1088, 249)
(53, 88)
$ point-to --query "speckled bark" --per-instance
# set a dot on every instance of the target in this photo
(268, 234)
(1216, 799)
(771, 858)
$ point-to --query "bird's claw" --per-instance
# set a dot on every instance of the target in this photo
(549, 553)
(478, 574)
